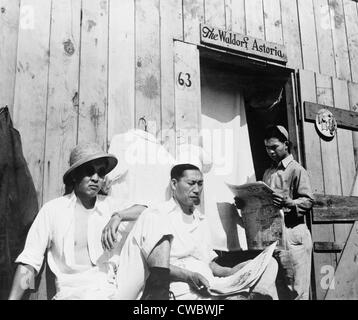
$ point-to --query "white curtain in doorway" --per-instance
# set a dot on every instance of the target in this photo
(226, 139)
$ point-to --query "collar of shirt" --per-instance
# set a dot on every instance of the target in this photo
(283, 163)
(99, 206)
(173, 206)
(176, 214)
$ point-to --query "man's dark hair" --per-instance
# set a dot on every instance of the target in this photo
(274, 132)
(178, 171)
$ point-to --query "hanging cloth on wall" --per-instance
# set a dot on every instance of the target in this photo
(18, 200)
(142, 174)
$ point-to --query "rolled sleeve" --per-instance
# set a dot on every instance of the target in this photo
(37, 241)
(303, 197)
(149, 229)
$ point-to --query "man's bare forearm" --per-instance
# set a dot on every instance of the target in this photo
(24, 279)
(179, 274)
(130, 214)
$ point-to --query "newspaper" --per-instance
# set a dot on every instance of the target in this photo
(264, 222)
(244, 278)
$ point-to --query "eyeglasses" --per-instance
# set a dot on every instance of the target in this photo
(89, 171)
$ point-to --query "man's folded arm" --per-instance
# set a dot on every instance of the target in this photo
(109, 233)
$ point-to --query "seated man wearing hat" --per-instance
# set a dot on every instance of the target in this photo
(70, 228)
(293, 195)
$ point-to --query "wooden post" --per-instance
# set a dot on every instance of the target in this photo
(187, 93)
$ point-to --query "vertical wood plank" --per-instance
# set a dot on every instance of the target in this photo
(254, 18)
(93, 72)
(308, 35)
(331, 178)
(187, 94)
(62, 110)
(353, 104)
(147, 89)
(291, 33)
(235, 15)
(344, 138)
(324, 37)
(313, 162)
(193, 15)
(30, 98)
(9, 28)
(339, 39)
(31, 85)
(351, 19)
(273, 21)
(121, 67)
(292, 118)
(214, 11)
(346, 156)
(311, 140)
(170, 28)
(331, 170)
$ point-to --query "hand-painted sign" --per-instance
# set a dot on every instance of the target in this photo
(242, 43)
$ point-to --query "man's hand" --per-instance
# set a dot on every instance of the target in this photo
(109, 233)
(281, 201)
(198, 282)
(239, 203)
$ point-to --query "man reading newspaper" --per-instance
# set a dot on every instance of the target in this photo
(194, 272)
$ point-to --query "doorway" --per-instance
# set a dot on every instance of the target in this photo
(239, 99)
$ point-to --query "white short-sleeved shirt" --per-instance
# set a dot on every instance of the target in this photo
(191, 246)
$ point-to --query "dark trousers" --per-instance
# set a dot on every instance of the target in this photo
(18, 200)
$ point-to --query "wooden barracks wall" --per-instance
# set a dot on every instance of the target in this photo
(74, 70)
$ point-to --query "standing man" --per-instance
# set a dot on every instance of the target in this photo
(70, 229)
(294, 196)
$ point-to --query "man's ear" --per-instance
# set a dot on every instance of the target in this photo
(173, 184)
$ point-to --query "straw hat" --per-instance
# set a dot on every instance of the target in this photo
(85, 152)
